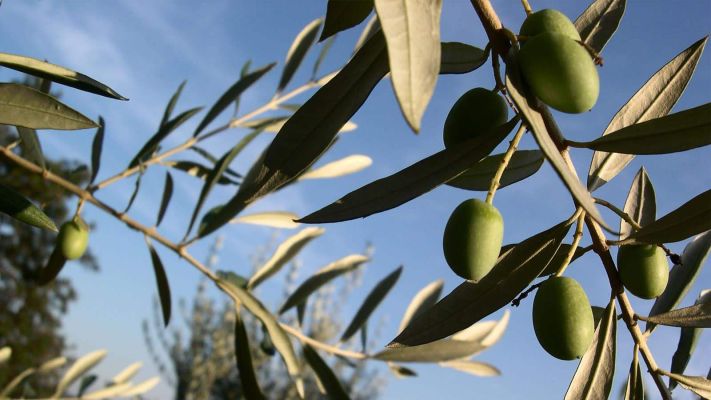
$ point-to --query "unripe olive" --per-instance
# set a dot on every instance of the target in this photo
(73, 239)
(548, 20)
(472, 239)
(560, 72)
(643, 269)
(475, 112)
(562, 318)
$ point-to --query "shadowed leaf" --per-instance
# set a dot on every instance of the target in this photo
(170, 126)
(161, 282)
(30, 145)
(688, 338)
(328, 379)
(54, 266)
(96, 147)
(301, 45)
(696, 316)
(321, 56)
(634, 390)
(599, 22)
(136, 188)
(696, 384)
(168, 112)
(641, 203)
(243, 354)
(27, 107)
(523, 164)
(167, 195)
(401, 371)
(17, 206)
(198, 170)
(689, 219)
(560, 257)
(85, 383)
(370, 303)
(460, 58)
(344, 14)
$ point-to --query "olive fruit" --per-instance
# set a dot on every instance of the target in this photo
(560, 72)
(562, 318)
(73, 238)
(472, 239)
(548, 20)
(475, 112)
(643, 269)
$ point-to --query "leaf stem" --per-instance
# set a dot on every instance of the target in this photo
(496, 180)
(619, 212)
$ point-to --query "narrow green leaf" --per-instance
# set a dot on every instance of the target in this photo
(322, 277)
(411, 29)
(599, 22)
(688, 338)
(593, 378)
(310, 130)
(242, 84)
(470, 302)
(276, 333)
(57, 74)
(245, 367)
(136, 188)
(54, 266)
(653, 100)
(423, 300)
(197, 170)
(242, 73)
(411, 182)
(322, 56)
(345, 166)
(641, 203)
(161, 282)
(85, 383)
(634, 389)
(460, 58)
(171, 104)
(212, 159)
(475, 368)
(152, 144)
(329, 380)
(401, 371)
(696, 316)
(217, 172)
(682, 277)
(523, 164)
(80, 366)
(529, 108)
(681, 131)
(370, 303)
(17, 206)
(96, 147)
(344, 14)
(301, 45)
(167, 195)
(30, 145)
(274, 219)
(27, 107)
(284, 253)
(689, 219)
(696, 384)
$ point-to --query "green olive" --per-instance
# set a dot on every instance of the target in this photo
(472, 239)
(548, 20)
(560, 72)
(643, 269)
(562, 318)
(73, 239)
(474, 113)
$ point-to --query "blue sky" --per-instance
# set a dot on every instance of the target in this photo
(145, 49)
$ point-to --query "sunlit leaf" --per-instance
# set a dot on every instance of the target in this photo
(161, 282)
(411, 182)
(523, 164)
(142, 387)
(54, 363)
(274, 219)
(167, 195)
(689, 219)
(345, 166)
(634, 389)
(108, 392)
(696, 384)
(593, 378)
(17, 206)
(329, 380)
(653, 100)
(599, 22)
(301, 45)
(170, 126)
(688, 338)
(322, 277)
(371, 302)
(5, 354)
(30, 145)
(126, 374)
(475, 368)
(322, 56)
(641, 203)
(411, 29)
(57, 74)
(80, 366)
(96, 147)
(284, 253)
(27, 107)
(168, 112)
(470, 302)
(423, 300)
(344, 14)
(198, 170)
(245, 367)
(460, 58)
(242, 84)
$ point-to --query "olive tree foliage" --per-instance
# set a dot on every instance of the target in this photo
(313, 127)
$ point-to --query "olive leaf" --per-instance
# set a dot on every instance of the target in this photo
(475, 368)
(54, 266)
(371, 28)
(84, 384)
(696, 316)
(688, 338)
(126, 374)
(593, 378)
(30, 108)
(401, 371)
(634, 389)
(198, 170)
(136, 188)
(683, 276)
(371, 302)
(641, 203)
(161, 282)
(345, 166)
(411, 29)
(653, 100)
(470, 302)
(17, 206)
(322, 277)
(560, 257)
(165, 200)
(322, 56)
(245, 367)
(696, 384)
(599, 22)
(411, 182)
(212, 159)
(274, 219)
(344, 14)
(301, 45)
(460, 58)
(423, 300)
(286, 251)
(163, 131)
(97, 146)
(142, 387)
(523, 163)
(689, 219)
(80, 366)
(681, 131)
(108, 392)
(30, 145)
(328, 379)
(57, 74)
(310, 131)
(171, 104)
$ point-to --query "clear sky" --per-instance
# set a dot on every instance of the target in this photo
(144, 49)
